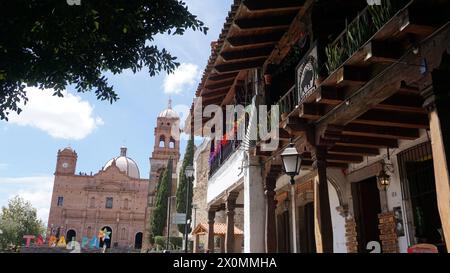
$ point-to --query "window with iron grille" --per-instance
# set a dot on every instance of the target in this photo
(419, 193)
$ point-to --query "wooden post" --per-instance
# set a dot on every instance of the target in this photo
(269, 190)
(323, 212)
(229, 236)
(211, 216)
(437, 103)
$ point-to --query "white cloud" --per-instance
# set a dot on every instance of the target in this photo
(184, 77)
(35, 189)
(68, 118)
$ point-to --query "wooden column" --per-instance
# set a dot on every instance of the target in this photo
(323, 212)
(437, 103)
(230, 205)
(271, 233)
(211, 216)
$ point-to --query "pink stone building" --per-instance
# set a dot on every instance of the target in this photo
(115, 198)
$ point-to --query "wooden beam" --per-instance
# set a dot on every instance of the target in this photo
(350, 75)
(387, 82)
(297, 30)
(255, 39)
(344, 158)
(239, 54)
(402, 103)
(283, 134)
(418, 22)
(220, 85)
(329, 95)
(348, 150)
(294, 125)
(258, 5)
(380, 131)
(307, 162)
(371, 142)
(218, 97)
(399, 119)
(337, 165)
(382, 51)
(279, 21)
(237, 66)
(207, 92)
(311, 110)
(220, 77)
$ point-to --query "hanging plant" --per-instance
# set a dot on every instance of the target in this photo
(381, 13)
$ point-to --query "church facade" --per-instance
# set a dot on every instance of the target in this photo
(115, 198)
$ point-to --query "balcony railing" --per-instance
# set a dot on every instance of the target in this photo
(286, 104)
(218, 159)
(357, 32)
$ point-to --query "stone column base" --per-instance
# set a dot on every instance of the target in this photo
(351, 235)
(388, 234)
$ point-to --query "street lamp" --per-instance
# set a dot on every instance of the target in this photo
(292, 162)
(189, 173)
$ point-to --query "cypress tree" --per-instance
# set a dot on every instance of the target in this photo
(182, 185)
(164, 186)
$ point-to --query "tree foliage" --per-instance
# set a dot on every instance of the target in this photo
(51, 44)
(159, 216)
(182, 185)
(16, 220)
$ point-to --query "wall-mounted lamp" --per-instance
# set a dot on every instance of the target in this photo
(384, 180)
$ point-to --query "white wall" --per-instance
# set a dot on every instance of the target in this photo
(228, 175)
(338, 222)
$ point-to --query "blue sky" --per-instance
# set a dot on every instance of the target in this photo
(96, 129)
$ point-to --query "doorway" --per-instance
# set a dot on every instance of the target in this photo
(418, 182)
(71, 235)
(138, 240)
(306, 225)
(283, 232)
(366, 204)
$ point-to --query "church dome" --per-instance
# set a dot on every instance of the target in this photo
(169, 112)
(125, 164)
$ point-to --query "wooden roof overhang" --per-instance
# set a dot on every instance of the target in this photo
(250, 35)
(373, 99)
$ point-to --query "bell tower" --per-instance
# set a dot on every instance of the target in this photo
(66, 162)
(167, 141)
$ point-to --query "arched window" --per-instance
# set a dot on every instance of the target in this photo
(92, 202)
(125, 203)
(162, 141)
(172, 143)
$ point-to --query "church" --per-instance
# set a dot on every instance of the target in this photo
(116, 198)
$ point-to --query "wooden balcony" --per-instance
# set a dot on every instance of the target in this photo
(222, 156)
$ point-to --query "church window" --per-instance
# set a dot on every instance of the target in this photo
(172, 143)
(109, 203)
(60, 201)
(125, 203)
